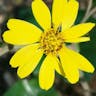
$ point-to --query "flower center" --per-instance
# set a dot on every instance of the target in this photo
(51, 41)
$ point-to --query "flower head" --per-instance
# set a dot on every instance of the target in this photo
(50, 41)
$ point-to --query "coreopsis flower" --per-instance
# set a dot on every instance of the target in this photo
(51, 41)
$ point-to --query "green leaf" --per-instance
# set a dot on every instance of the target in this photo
(31, 88)
(16, 90)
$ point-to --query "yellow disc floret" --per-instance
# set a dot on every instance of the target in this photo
(51, 41)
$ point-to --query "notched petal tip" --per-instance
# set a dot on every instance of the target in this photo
(20, 75)
(12, 64)
(4, 36)
(10, 22)
(73, 80)
(44, 88)
(92, 24)
(92, 69)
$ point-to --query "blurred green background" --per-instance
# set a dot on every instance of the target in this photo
(11, 85)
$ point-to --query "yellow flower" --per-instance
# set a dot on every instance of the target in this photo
(50, 41)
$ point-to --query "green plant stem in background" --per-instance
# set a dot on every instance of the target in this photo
(89, 11)
(27, 87)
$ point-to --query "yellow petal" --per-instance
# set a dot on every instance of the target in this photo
(77, 60)
(69, 65)
(24, 55)
(47, 73)
(57, 12)
(77, 31)
(81, 62)
(42, 14)
(26, 69)
(21, 32)
(70, 14)
(77, 40)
